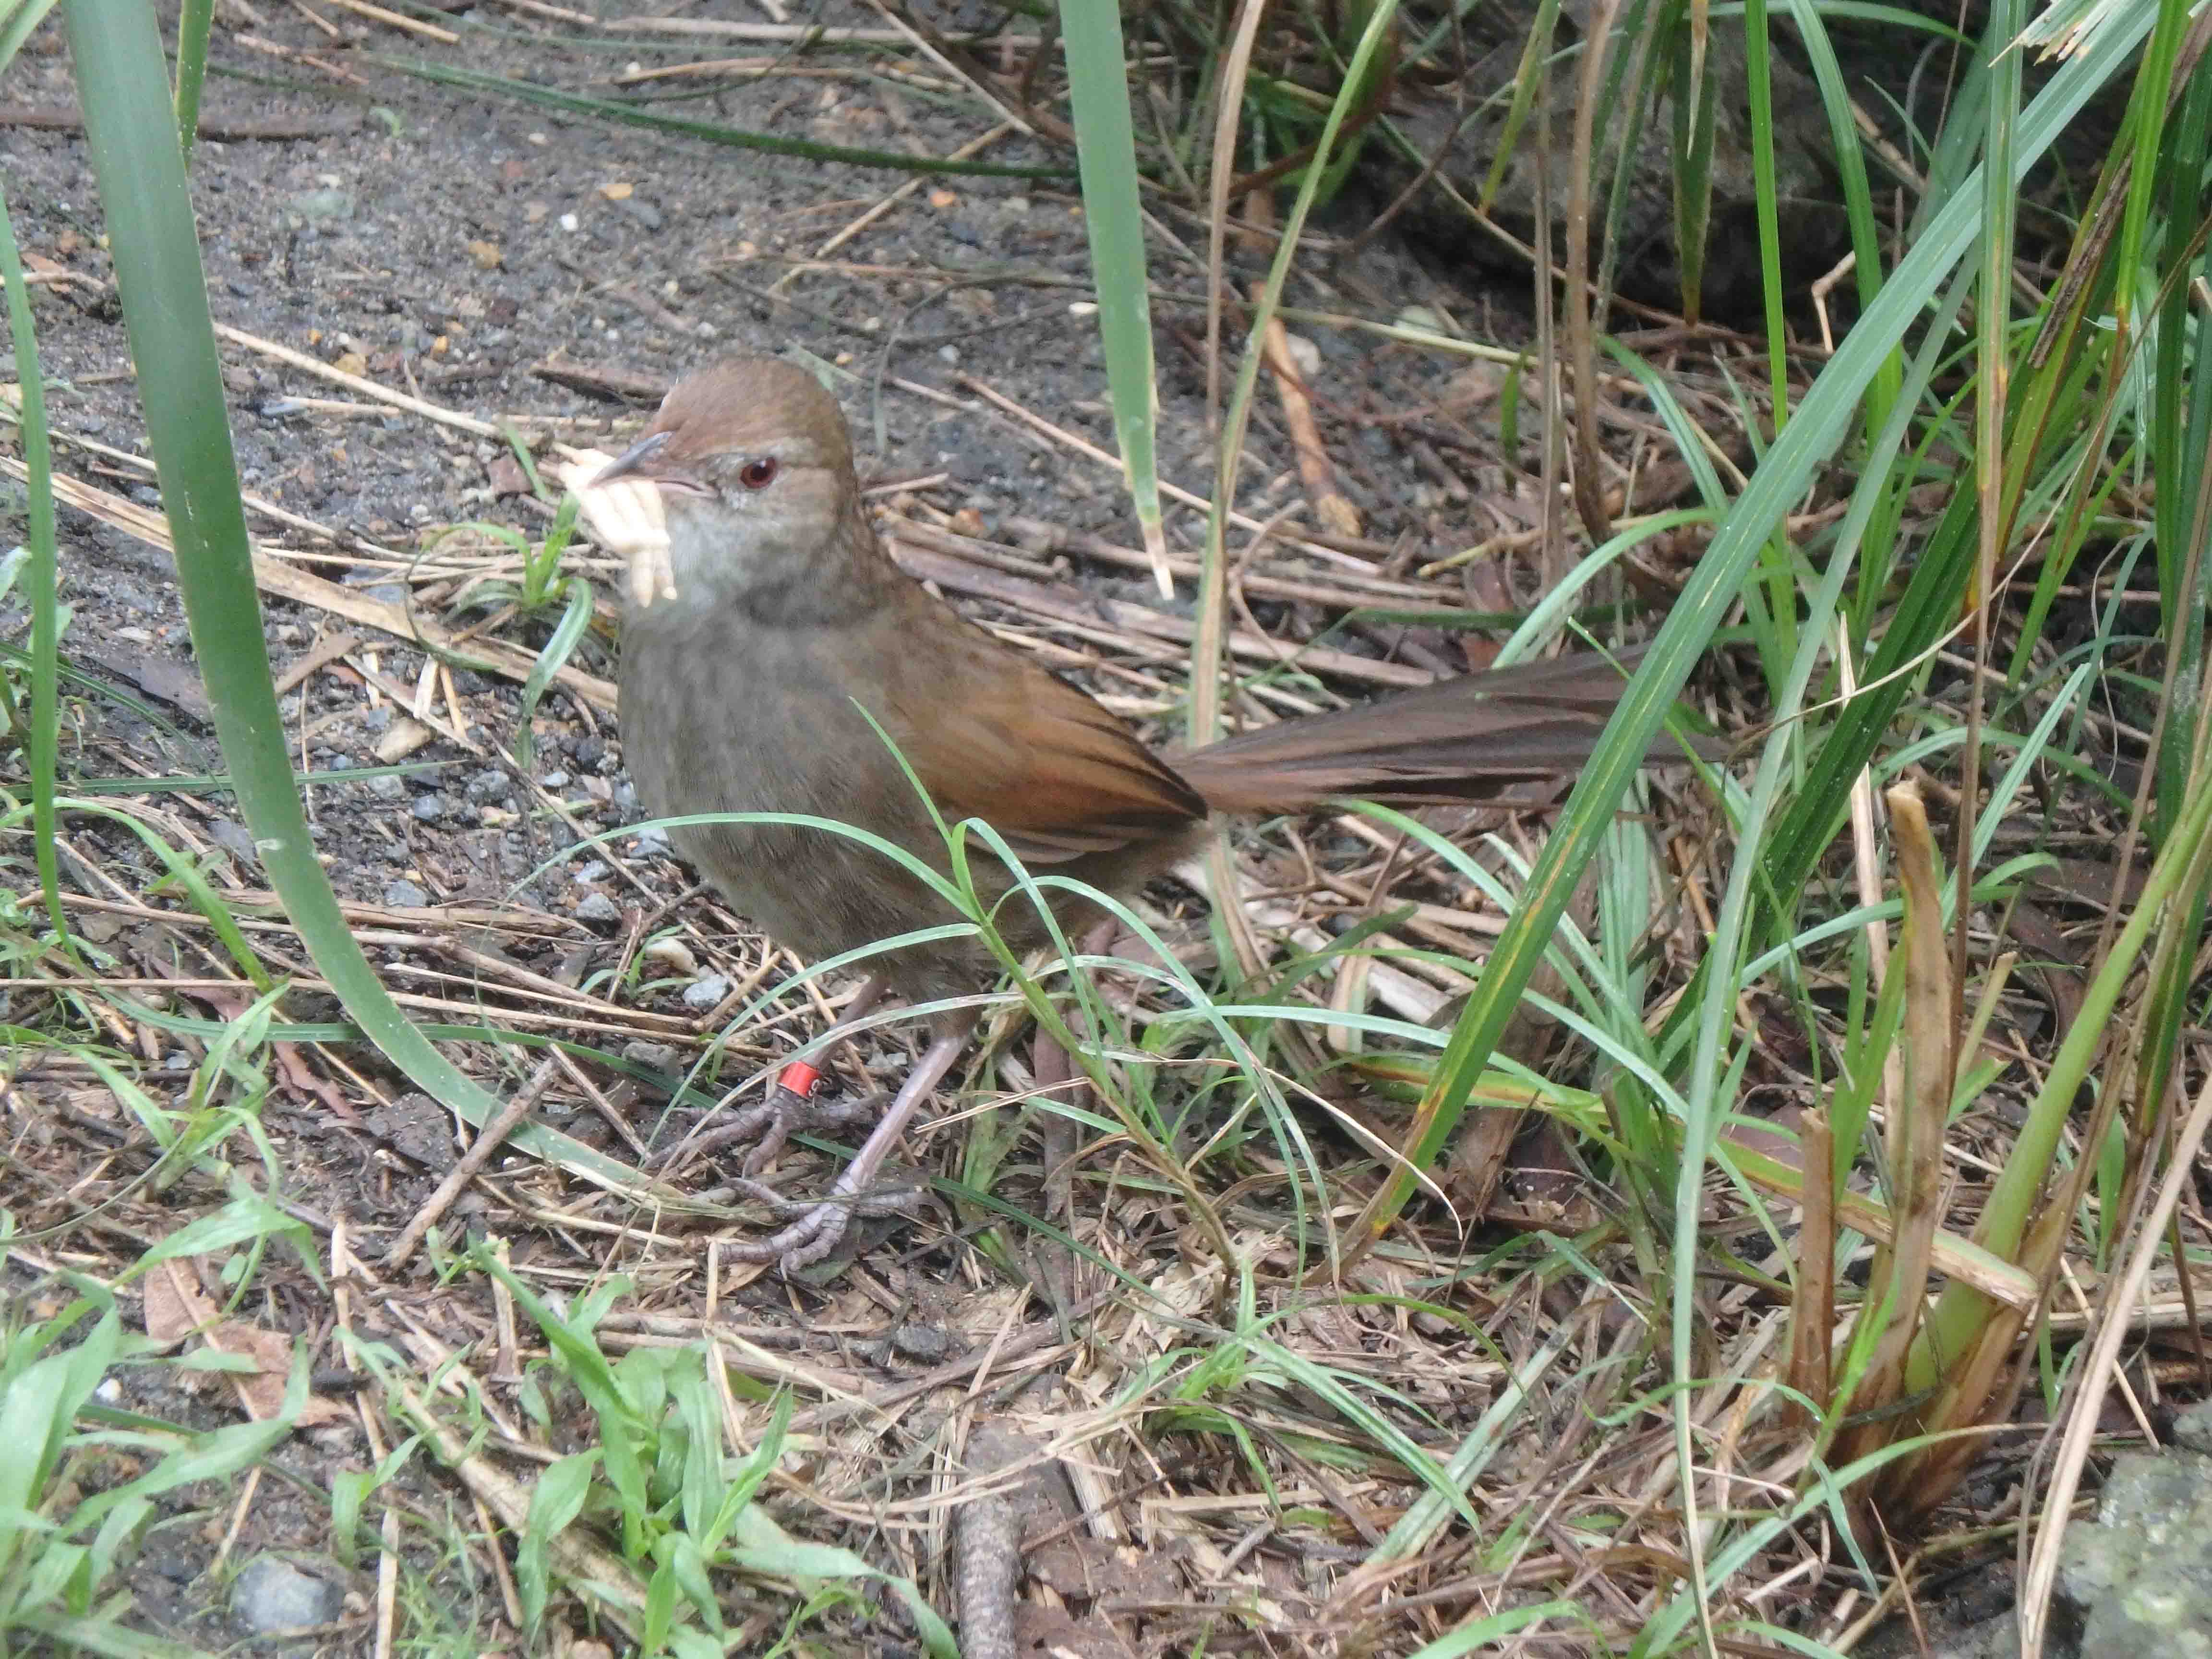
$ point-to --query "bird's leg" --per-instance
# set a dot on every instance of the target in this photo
(788, 1105)
(816, 1233)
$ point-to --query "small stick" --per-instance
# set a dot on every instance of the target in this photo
(1331, 506)
(803, 35)
(945, 64)
(474, 1159)
(366, 387)
(987, 1546)
(394, 20)
(967, 152)
(1090, 451)
(221, 128)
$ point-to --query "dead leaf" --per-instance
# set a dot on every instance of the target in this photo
(177, 1309)
(406, 736)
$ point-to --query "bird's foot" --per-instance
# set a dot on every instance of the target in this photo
(793, 1104)
(816, 1229)
(816, 1233)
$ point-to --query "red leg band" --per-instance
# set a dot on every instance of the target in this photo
(800, 1078)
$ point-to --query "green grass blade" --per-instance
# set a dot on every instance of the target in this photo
(39, 588)
(604, 109)
(194, 22)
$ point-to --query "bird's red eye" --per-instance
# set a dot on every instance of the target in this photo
(758, 474)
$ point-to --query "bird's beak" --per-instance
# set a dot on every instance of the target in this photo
(640, 460)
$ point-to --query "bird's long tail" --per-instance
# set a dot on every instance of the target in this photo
(1472, 738)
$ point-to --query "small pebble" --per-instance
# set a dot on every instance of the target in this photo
(595, 871)
(324, 204)
(270, 1593)
(706, 992)
(554, 779)
(598, 908)
(927, 1343)
(430, 808)
(387, 786)
(659, 1056)
(406, 896)
(490, 785)
(234, 839)
(387, 593)
(653, 844)
(671, 953)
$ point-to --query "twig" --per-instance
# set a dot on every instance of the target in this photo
(1083, 447)
(274, 576)
(474, 1159)
(967, 151)
(222, 128)
(1330, 504)
(362, 384)
(932, 566)
(394, 20)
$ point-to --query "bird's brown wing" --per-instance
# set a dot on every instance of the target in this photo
(992, 735)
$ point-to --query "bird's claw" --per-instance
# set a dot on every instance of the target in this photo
(769, 1126)
(818, 1227)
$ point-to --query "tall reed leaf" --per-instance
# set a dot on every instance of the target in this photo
(1106, 151)
(1822, 422)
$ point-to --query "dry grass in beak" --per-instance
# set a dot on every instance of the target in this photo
(625, 514)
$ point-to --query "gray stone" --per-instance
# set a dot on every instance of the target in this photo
(404, 895)
(490, 785)
(325, 204)
(270, 1593)
(595, 871)
(554, 779)
(598, 908)
(659, 1056)
(236, 839)
(653, 844)
(430, 808)
(927, 1343)
(387, 786)
(706, 992)
(2192, 1429)
(2137, 1583)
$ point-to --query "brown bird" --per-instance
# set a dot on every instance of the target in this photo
(754, 659)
